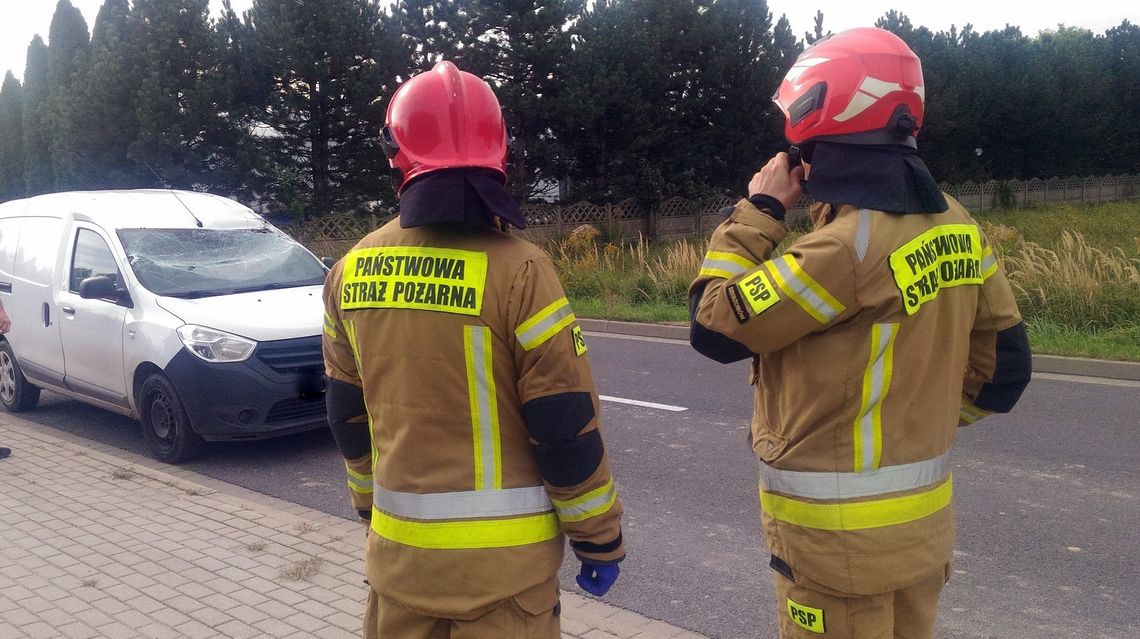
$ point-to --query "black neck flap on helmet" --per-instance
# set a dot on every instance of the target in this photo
(877, 170)
(469, 197)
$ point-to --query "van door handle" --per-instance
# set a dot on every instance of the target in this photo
(67, 310)
(46, 315)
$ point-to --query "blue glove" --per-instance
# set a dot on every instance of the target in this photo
(596, 579)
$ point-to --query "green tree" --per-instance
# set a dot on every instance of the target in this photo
(428, 31)
(521, 47)
(11, 139)
(68, 56)
(183, 134)
(322, 110)
(38, 174)
(111, 114)
(1122, 64)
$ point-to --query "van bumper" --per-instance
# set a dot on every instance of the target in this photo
(277, 391)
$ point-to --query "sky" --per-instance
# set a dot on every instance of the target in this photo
(22, 19)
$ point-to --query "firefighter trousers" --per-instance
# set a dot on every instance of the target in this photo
(807, 610)
(386, 619)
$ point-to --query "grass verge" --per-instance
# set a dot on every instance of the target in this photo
(1075, 271)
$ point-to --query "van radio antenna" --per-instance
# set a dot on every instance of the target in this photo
(172, 192)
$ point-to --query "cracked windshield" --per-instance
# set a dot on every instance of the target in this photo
(203, 262)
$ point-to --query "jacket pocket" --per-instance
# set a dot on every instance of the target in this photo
(540, 599)
(769, 446)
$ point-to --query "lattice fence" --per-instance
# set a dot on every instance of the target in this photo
(679, 217)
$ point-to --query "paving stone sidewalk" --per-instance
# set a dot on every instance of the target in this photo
(96, 542)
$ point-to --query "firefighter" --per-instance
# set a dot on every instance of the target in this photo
(872, 339)
(459, 391)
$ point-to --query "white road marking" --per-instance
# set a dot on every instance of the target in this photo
(1103, 381)
(639, 338)
(636, 402)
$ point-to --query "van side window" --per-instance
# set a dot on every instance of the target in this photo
(92, 258)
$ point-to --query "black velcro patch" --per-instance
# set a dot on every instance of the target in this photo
(569, 463)
(736, 303)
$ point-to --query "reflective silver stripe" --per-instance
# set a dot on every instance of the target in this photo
(534, 335)
(863, 233)
(468, 504)
(360, 484)
(876, 381)
(484, 419)
(988, 263)
(890, 479)
(731, 268)
(578, 512)
(805, 292)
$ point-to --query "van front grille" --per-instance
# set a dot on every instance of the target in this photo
(292, 409)
(302, 354)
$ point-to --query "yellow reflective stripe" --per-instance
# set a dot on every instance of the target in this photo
(970, 413)
(859, 515)
(876, 383)
(330, 326)
(484, 408)
(592, 504)
(724, 265)
(545, 324)
(989, 263)
(350, 333)
(359, 482)
(806, 292)
(480, 533)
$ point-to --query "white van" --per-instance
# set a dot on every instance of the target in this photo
(184, 310)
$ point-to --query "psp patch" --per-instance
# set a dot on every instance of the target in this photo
(579, 341)
(806, 617)
(758, 290)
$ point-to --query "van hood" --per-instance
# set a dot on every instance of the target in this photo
(261, 315)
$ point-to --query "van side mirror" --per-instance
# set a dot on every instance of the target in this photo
(102, 287)
(328, 262)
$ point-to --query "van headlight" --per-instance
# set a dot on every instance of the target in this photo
(215, 346)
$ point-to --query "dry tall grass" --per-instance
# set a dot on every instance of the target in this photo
(1074, 283)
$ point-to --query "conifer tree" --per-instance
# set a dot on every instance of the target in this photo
(323, 109)
(11, 139)
(68, 56)
(521, 47)
(38, 174)
(112, 84)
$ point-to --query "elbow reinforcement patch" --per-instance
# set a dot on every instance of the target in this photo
(570, 462)
(345, 402)
(1012, 373)
(558, 417)
(564, 457)
(709, 343)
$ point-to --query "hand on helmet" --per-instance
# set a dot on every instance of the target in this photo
(777, 180)
(597, 579)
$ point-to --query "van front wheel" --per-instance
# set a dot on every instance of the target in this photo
(165, 425)
(16, 392)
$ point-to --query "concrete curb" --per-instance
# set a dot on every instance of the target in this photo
(1080, 366)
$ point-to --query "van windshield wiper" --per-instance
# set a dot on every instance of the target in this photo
(189, 295)
(270, 286)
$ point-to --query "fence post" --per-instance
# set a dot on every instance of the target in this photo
(371, 222)
(651, 231)
(558, 228)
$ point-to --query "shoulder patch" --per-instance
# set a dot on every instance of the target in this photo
(579, 341)
(758, 290)
(736, 303)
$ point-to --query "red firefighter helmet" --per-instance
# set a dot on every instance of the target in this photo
(443, 119)
(860, 86)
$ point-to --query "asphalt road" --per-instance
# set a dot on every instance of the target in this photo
(1047, 498)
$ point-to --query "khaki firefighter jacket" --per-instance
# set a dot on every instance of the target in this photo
(873, 337)
(477, 438)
